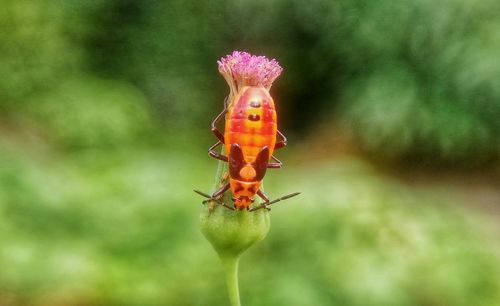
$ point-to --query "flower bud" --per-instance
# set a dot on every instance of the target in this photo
(231, 232)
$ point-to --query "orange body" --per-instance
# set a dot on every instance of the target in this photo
(251, 123)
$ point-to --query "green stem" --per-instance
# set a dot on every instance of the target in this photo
(231, 266)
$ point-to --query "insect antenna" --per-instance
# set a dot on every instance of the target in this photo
(202, 194)
(288, 196)
(266, 204)
(210, 198)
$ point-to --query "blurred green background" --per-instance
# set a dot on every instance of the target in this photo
(391, 109)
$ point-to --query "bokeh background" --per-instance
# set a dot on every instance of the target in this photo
(391, 109)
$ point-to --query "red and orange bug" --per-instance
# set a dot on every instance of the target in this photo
(250, 138)
(250, 135)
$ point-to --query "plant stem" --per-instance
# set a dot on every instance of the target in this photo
(231, 267)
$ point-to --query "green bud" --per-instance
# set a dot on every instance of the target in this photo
(231, 232)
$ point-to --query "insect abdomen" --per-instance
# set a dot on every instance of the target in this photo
(251, 122)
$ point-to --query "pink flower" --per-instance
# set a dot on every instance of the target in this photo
(243, 69)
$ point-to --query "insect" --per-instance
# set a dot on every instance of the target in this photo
(250, 139)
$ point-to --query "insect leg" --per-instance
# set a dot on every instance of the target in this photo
(215, 154)
(281, 143)
(215, 130)
(275, 165)
(278, 145)
(218, 195)
(264, 197)
(221, 191)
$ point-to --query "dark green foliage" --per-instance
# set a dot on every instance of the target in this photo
(169, 49)
(407, 78)
(347, 61)
(35, 54)
(424, 96)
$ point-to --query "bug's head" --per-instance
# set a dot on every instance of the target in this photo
(242, 202)
(243, 193)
